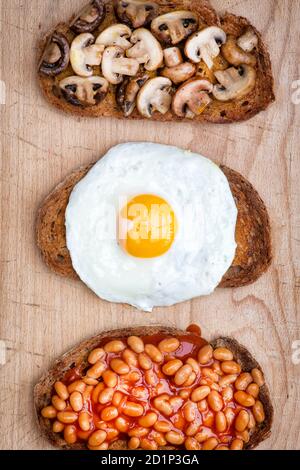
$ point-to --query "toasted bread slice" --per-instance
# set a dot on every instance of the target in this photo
(253, 254)
(77, 358)
(217, 111)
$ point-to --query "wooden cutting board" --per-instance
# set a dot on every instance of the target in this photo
(43, 315)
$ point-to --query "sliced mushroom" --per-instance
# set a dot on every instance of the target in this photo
(192, 98)
(209, 74)
(248, 41)
(173, 56)
(205, 45)
(146, 49)
(81, 91)
(155, 95)
(235, 55)
(115, 35)
(180, 73)
(56, 55)
(128, 91)
(234, 83)
(171, 28)
(90, 17)
(115, 65)
(135, 13)
(85, 54)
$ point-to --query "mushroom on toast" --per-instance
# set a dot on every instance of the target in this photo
(85, 54)
(115, 35)
(135, 13)
(172, 28)
(115, 65)
(234, 83)
(192, 98)
(90, 17)
(81, 91)
(146, 49)
(155, 95)
(56, 56)
(205, 45)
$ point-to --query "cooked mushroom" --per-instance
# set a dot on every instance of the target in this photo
(56, 55)
(135, 13)
(90, 17)
(146, 49)
(174, 27)
(172, 56)
(115, 35)
(180, 73)
(235, 55)
(205, 45)
(155, 95)
(115, 65)
(248, 41)
(192, 98)
(127, 92)
(234, 83)
(85, 54)
(209, 74)
(81, 91)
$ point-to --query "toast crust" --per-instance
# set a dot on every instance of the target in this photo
(218, 112)
(253, 254)
(78, 357)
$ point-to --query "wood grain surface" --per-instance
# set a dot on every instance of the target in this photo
(43, 315)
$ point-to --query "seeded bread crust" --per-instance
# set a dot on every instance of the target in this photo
(77, 357)
(216, 112)
(253, 254)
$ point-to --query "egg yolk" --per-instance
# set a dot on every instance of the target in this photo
(150, 226)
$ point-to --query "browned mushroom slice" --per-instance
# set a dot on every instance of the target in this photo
(90, 17)
(155, 95)
(56, 56)
(235, 55)
(128, 91)
(180, 73)
(174, 27)
(81, 91)
(135, 13)
(192, 98)
(234, 83)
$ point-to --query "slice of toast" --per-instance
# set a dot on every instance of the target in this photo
(253, 254)
(77, 357)
(217, 111)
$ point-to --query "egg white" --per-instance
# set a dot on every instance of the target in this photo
(204, 246)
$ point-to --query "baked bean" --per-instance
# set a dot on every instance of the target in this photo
(176, 402)
(202, 405)
(209, 373)
(169, 345)
(227, 393)
(205, 354)
(130, 358)
(230, 367)
(122, 424)
(84, 421)
(215, 401)
(97, 438)
(243, 381)
(119, 366)
(191, 444)
(144, 361)
(103, 446)
(136, 344)
(86, 395)
(242, 421)
(258, 377)
(194, 365)
(76, 401)
(61, 390)
(58, 426)
(138, 432)
(253, 389)
(227, 380)
(244, 399)
(96, 370)
(112, 433)
(210, 444)
(203, 434)
(133, 376)
(208, 419)
(148, 420)
(49, 412)
(200, 393)
(141, 393)
(236, 444)
(258, 412)
(134, 443)
(117, 398)
(96, 392)
(162, 405)
(171, 367)
(184, 394)
(114, 346)
(182, 374)
(90, 381)
(190, 411)
(106, 396)
(158, 437)
(109, 413)
(150, 377)
(110, 378)
(133, 409)
(216, 367)
(67, 417)
(146, 444)
(77, 386)
(174, 437)
(58, 403)
(223, 354)
(244, 436)
(96, 355)
(162, 426)
(190, 380)
(221, 448)
(252, 422)
(230, 416)
(192, 428)
(154, 353)
(70, 435)
(221, 422)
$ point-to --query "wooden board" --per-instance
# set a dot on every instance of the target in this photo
(43, 315)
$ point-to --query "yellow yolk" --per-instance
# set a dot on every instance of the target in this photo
(150, 226)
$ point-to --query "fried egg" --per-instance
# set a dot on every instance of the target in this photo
(151, 225)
